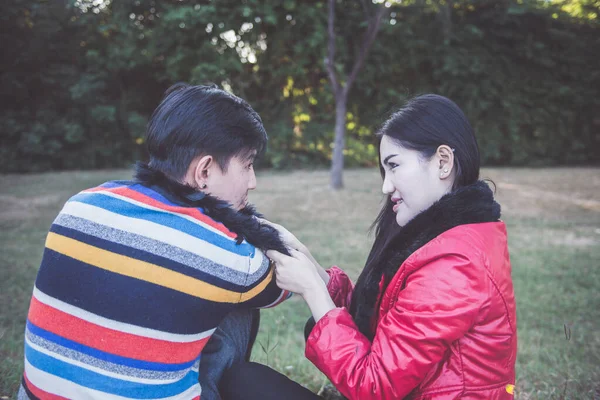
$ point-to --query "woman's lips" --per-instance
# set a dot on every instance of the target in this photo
(397, 205)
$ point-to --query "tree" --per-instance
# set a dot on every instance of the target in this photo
(373, 15)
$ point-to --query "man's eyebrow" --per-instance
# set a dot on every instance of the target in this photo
(385, 161)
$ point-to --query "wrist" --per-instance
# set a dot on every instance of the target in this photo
(319, 302)
(316, 289)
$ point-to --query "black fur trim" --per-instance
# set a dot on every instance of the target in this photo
(467, 205)
(242, 222)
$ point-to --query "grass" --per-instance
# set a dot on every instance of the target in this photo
(553, 217)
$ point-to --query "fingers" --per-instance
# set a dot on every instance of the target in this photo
(267, 222)
(296, 253)
(276, 256)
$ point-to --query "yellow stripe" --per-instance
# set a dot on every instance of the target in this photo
(148, 272)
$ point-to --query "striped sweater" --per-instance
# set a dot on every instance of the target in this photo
(130, 289)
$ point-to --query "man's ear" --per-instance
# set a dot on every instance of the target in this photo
(203, 170)
(445, 156)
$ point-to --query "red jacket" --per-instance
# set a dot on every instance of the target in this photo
(446, 325)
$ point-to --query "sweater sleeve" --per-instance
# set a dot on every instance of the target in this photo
(261, 290)
(438, 305)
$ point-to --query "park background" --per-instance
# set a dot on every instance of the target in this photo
(79, 78)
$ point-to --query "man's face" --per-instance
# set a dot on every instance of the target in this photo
(233, 185)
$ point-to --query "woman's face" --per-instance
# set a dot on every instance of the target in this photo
(412, 182)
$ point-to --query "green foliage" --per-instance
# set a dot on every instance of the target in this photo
(80, 78)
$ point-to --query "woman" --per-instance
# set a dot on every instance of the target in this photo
(432, 315)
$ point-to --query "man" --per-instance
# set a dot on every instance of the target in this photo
(137, 275)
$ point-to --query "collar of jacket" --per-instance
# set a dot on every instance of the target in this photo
(467, 205)
(243, 222)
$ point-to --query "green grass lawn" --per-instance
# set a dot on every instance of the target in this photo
(553, 217)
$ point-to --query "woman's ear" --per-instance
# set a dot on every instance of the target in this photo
(445, 156)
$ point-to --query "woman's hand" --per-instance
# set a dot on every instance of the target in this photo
(292, 242)
(296, 273)
(299, 275)
(288, 238)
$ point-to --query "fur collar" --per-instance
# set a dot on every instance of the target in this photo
(467, 205)
(242, 222)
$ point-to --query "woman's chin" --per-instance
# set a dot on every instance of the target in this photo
(401, 220)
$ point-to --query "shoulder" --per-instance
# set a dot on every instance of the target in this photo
(470, 241)
(464, 254)
(134, 207)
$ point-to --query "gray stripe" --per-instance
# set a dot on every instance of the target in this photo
(161, 249)
(102, 364)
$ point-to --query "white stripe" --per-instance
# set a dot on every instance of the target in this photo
(62, 387)
(167, 235)
(192, 392)
(158, 248)
(189, 218)
(116, 325)
(100, 370)
(149, 207)
(65, 388)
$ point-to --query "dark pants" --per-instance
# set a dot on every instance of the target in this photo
(249, 380)
(230, 344)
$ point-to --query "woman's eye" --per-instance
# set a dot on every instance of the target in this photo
(392, 165)
(250, 165)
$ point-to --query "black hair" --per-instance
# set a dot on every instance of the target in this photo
(201, 120)
(423, 124)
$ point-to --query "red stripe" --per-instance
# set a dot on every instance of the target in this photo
(190, 211)
(39, 393)
(284, 297)
(112, 341)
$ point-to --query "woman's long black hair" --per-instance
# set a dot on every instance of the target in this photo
(423, 124)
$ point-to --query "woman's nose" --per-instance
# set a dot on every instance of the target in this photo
(388, 187)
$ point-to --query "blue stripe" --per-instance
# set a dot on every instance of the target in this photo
(106, 384)
(153, 259)
(163, 218)
(152, 192)
(126, 299)
(101, 355)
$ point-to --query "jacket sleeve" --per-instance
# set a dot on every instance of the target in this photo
(340, 287)
(438, 305)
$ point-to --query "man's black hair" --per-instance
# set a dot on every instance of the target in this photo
(201, 120)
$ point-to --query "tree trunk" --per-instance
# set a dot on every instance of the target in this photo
(337, 159)
(446, 17)
(341, 90)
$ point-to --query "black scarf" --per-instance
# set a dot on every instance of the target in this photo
(467, 205)
(242, 222)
